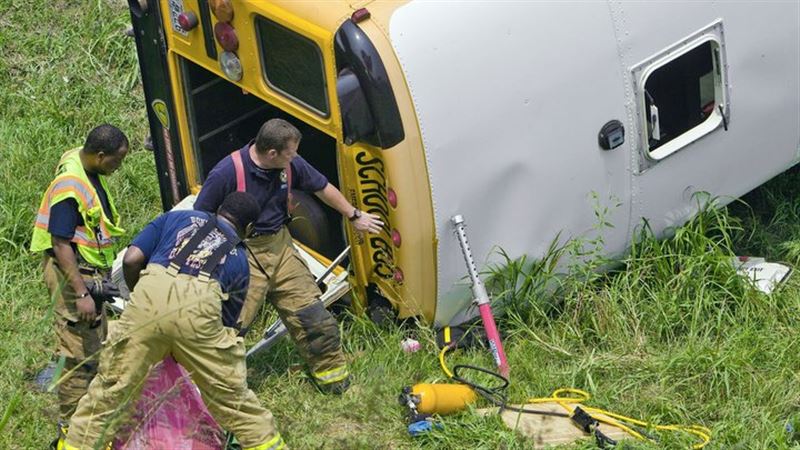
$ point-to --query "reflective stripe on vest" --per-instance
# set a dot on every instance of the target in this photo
(94, 239)
(66, 183)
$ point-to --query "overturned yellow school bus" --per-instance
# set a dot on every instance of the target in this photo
(213, 72)
(515, 115)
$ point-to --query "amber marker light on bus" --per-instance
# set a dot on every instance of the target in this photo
(396, 239)
(360, 15)
(187, 20)
(226, 36)
(231, 66)
(391, 195)
(222, 10)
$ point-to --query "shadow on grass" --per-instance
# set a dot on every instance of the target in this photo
(771, 214)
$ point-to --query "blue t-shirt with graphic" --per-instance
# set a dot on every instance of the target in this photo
(164, 237)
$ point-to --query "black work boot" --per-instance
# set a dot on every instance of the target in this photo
(335, 388)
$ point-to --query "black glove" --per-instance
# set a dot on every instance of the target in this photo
(103, 291)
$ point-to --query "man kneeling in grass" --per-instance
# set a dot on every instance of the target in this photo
(185, 304)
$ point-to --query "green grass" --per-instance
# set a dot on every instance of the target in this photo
(672, 335)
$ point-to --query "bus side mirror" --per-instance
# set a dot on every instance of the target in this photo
(355, 55)
(356, 117)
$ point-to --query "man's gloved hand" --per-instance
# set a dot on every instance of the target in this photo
(103, 291)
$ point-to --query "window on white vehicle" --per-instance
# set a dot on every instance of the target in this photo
(681, 94)
(293, 65)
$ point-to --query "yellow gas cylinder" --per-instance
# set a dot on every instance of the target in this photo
(443, 398)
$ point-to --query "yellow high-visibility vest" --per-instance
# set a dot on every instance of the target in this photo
(95, 238)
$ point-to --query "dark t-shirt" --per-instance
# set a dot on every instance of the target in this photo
(163, 238)
(64, 215)
(268, 186)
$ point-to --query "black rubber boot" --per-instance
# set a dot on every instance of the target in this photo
(335, 388)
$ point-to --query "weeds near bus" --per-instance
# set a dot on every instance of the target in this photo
(670, 333)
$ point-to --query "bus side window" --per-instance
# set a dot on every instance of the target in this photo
(293, 65)
(682, 94)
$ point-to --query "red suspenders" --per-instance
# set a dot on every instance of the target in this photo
(239, 168)
(241, 186)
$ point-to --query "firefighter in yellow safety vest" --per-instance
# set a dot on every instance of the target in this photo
(76, 226)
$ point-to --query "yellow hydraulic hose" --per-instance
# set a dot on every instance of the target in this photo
(580, 396)
(441, 361)
(703, 433)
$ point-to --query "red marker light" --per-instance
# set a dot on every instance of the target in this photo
(396, 239)
(360, 15)
(187, 20)
(392, 197)
(398, 275)
(226, 36)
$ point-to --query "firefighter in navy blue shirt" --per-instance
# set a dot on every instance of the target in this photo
(188, 274)
(269, 168)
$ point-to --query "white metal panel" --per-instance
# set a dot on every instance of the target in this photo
(762, 43)
(510, 98)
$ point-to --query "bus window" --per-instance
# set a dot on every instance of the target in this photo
(292, 65)
(682, 99)
(680, 95)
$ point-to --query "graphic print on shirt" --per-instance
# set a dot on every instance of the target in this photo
(206, 248)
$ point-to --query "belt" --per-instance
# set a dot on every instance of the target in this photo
(83, 267)
(89, 271)
(256, 234)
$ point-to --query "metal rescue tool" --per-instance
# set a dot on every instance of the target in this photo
(481, 298)
(277, 330)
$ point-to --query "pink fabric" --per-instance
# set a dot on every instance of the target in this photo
(170, 414)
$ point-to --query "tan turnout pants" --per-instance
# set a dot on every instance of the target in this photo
(178, 315)
(79, 342)
(290, 287)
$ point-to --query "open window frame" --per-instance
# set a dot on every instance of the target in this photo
(652, 151)
(286, 75)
